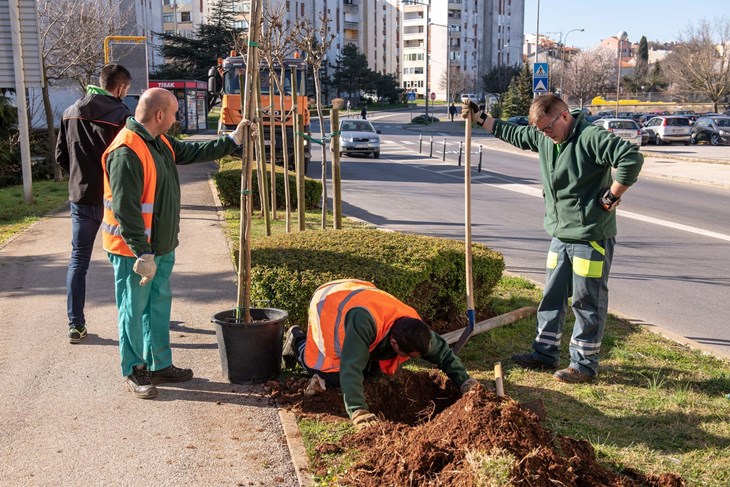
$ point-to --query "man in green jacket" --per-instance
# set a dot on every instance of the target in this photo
(378, 334)
(580, 196)
(140, 232)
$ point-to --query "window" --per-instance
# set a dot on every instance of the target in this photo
(184, 16)
(168, 18)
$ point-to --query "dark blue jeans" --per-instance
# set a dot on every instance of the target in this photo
(85, 222)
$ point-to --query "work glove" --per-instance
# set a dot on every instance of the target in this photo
(471, 111)
(608, 200)
(145, 266)
(468, 385)
(362, 418)
(237, 135)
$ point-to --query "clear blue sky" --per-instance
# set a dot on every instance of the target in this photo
(660, 21)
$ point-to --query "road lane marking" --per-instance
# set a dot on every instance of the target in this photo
(537, 192)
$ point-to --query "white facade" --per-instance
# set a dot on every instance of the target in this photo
(471, 36)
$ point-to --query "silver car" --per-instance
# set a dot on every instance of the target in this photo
(625, 128)
(359, 137)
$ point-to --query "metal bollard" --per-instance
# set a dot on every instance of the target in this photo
(480, 158)
(430, 153)
(420, 142)
(460, 150)
(444, 156)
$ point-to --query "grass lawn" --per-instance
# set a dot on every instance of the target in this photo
(656, 406)
(16, 215)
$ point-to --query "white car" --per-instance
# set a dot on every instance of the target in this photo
(668, 129)
(359, 137)
(625, 128)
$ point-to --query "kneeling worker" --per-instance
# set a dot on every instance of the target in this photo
(352, 326)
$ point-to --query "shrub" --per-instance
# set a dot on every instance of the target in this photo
(421, 119)
(229, 189)
(424, 272)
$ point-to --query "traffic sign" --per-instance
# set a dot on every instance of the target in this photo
(540, 72)
(411, 96)
(433, 95)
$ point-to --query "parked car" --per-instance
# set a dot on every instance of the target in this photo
(684, 112)
(629, 115)
(471, 96)
(644, 136)
(668, 129)
(518, 120)
(715, 130)
(359, 137)
(621, 127)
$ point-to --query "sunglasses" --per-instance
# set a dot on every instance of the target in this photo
(550, 125)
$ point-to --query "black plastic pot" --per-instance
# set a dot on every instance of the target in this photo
(250, 352)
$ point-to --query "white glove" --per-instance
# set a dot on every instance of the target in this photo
(145, 266)
(237, 135)
(362, 418)
(468, 385)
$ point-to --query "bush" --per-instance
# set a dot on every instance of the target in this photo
(424, 272)
(421, 119)
(229, 189)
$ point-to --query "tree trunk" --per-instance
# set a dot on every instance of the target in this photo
(50, 132)
(318, 95)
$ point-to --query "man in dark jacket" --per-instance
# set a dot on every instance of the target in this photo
(87, 128)
(580, 196)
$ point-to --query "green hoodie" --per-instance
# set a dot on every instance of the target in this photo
(574, 173)
(126, 179)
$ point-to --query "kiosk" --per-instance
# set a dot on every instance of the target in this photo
(192, 101)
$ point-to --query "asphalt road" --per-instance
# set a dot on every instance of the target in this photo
(672, 263)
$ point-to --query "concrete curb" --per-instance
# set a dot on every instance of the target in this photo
(297, 451)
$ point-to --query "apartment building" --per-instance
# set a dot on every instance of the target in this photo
(396, 37)
(465, 36)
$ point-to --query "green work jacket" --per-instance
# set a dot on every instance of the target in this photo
(359, 335)
(126, 179)
(574, 173)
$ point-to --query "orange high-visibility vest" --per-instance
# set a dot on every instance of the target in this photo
(327, 311)
(111, 233)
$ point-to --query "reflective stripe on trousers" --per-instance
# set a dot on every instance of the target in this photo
(579, 270)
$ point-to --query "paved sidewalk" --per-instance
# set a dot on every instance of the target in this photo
(67, 417)
(708, 166)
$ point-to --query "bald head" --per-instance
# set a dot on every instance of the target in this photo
(156, 110)
(152, 101)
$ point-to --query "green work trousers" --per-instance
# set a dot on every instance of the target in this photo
(579, 270)
(143, 313)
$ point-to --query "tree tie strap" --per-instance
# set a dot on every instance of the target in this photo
(253, 44)
(246, 192)
(310, 138)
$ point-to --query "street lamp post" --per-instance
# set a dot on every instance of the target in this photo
(448, 62)
(562, 69)
(621, 37)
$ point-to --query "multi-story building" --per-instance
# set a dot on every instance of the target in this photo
(464, 37)
(397, 38)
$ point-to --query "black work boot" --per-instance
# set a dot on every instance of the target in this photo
(294, 337)
(139, 383)
(170, 374)
(528, 361)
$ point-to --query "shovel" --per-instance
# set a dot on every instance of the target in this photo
(535, 406)
(470, 313)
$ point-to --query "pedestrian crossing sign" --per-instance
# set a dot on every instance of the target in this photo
(540, 77)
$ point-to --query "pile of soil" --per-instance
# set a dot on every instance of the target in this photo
(429, 437)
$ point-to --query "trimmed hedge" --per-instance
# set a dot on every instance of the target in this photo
(424, 272)
(229, 189)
